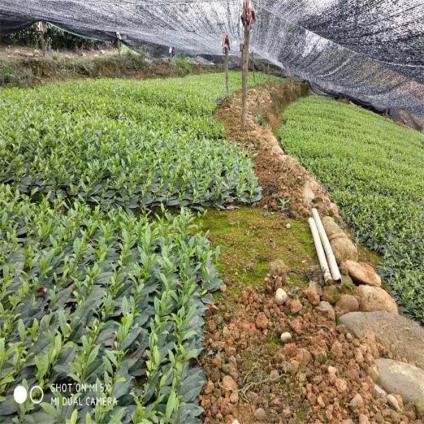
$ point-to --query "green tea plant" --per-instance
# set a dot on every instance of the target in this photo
(94, 293)
(101, 298)
(134, 144)
(374, 171)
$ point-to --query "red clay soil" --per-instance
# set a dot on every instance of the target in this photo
(254, 378)
(280, 175)
(323, 374)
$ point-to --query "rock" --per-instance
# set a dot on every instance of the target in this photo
(402, 378)
(334, 210)
(287, 412)
(344, 249)
(347, 303)
(341, 244)
(278, 268)
(288, 226)
(373, 373)
(398, 334)
(393, 402)
(332, 370)
(357, 402)
(295, 306)
(209, 388)
(375, 299)
(303, 356)
(286, 337)
(331, 294)
(363, 419)
(337, 349)
(362, 273)
(324, 306)
(347, 284)
(260, 415)
(312, 293)
(281, 297)
(228, 383)
(261, 321)
(341, 385)
(331, 228)
(308, 193)
(379, 391)
(419, 408)
(274, 375)
(234, 397)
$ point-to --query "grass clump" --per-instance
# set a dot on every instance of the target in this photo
(374, 171)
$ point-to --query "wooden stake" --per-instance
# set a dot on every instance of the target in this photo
(248, 17)
(226, 72)
(227, 48)
(245, 78)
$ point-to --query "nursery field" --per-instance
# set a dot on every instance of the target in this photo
(374, 171)
(133, 144)
(96, 296)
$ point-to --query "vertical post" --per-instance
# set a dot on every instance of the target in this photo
(245, 78)
(226, 72)
(226, 45)
(248, 17)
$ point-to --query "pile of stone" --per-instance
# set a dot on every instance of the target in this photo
(365, 308)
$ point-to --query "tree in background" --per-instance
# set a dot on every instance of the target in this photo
(42, 29)
(56, 38)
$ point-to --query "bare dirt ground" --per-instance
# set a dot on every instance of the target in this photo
(321, 373)
(281, 176)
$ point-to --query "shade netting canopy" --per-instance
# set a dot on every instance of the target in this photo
(370, 50)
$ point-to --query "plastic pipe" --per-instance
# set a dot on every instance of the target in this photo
(335, 272)
(320, 251)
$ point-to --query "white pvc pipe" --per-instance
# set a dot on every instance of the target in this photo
(327, 247)
(320, 251)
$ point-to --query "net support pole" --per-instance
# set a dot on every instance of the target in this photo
(335, 272)
(227, 89)
(245, 76)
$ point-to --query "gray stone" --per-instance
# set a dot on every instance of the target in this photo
(401, 336)
(324, 306)
(401, 378)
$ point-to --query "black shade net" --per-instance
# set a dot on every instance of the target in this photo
(369, 50)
